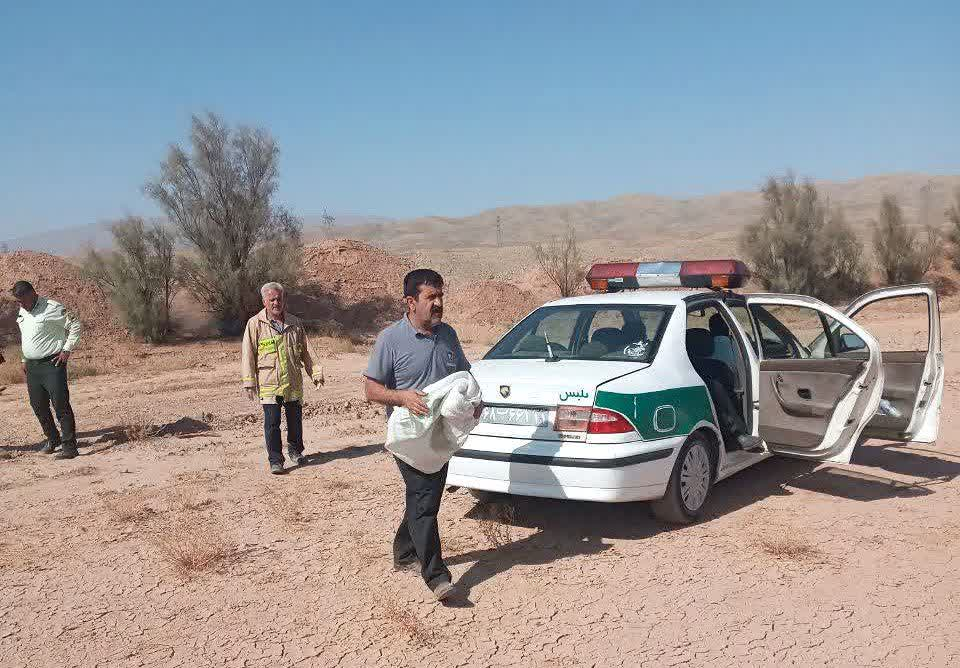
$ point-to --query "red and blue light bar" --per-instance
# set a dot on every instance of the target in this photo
(615, 276)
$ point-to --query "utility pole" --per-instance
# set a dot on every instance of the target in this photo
(499, 232)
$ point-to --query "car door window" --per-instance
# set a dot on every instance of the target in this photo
(742, 315)
(899, 324)
(793, 332)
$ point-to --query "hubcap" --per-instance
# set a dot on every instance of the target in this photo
(695, 477)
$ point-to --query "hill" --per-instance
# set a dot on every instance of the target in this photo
(629, 218)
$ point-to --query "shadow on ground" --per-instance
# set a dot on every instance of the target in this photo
(572, 528)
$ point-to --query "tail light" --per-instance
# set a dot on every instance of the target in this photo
(591, 420)
(608, 422)
(572, 418)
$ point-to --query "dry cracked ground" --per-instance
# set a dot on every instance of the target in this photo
(167, 544)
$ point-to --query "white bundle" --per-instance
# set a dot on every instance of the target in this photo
(428, 442)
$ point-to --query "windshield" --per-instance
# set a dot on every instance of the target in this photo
(601, 332)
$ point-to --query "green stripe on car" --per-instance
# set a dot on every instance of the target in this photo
(661, 414)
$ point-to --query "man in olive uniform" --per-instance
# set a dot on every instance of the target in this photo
(48, 334)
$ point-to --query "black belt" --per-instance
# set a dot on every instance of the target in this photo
(48, 358)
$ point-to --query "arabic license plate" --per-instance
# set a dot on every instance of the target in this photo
(522, 417)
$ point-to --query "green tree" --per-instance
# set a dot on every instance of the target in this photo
(902, 255)
(140, 276)
(800, 245)
(220, 197)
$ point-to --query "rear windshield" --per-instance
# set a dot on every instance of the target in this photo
(600, 332)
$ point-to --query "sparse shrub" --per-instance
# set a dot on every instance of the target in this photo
(128, 508)
(953, 216)
(902, 255)
(220, 199)
(77, 370)
(790, 548)
(561, 261)
(141, 276)
(190, 547)
(495, 523)
(800, 246)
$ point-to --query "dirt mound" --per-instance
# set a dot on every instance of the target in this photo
(349, 287)
(490, 303)
(54, 277)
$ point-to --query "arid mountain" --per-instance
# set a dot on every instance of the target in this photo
(628, 217)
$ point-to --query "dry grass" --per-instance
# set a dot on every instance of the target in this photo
(336, 345)
(129, 508)
(401, 618)
(190, 546)
(338, 484)
(496, 523)
(788, 548)
(77, 472)
(480, 334)
(287, 510)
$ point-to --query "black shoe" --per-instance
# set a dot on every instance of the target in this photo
(297, 458)
(66, 453)
(277, 469)
(49, 448)
(442, 590)
(406, 566)
(750, 443)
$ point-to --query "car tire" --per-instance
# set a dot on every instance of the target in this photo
(690, 483)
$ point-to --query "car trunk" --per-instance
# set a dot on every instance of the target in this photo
(521, 396)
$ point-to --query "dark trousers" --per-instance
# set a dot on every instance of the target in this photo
(271, 429)
(47, 384)
(731, 423)
(418, 537)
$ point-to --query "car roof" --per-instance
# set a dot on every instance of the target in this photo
(640, 297)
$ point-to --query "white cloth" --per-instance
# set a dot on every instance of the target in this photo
(47, 329)
(427, 443)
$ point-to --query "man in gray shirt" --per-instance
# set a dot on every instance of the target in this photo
(417, 350)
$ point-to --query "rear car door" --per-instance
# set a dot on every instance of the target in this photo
(905, 321)
(814, 402)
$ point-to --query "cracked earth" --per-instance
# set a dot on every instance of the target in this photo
(180, 550)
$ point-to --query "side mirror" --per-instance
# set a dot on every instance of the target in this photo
(851, 342)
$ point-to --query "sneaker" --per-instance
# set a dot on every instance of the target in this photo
(750, 443)
(297, 458)
(66, 453)
(443, 590)
(277, 469)
(49, 448)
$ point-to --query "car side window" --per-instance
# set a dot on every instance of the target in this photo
(742, 315)
(792, 332)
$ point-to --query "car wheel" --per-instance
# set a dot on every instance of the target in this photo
(689, 485)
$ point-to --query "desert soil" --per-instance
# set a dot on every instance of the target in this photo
(174, 547)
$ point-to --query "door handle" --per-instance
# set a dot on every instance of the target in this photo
(805, 393)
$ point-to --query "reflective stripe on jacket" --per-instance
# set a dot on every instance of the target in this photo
(270, 362)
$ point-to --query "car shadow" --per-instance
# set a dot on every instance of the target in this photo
(568, 528)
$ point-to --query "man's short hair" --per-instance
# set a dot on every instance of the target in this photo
(21, 288)
(418, 277)
(270, 287)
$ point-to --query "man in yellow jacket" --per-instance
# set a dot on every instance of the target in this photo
(274, 348)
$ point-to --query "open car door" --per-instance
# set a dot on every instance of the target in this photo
(814, 401)
(905, 321)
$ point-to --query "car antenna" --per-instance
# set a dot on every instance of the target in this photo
(550, 356)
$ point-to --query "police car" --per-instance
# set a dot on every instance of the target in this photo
(597, 397)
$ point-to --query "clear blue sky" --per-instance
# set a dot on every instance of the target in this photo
(411, 108)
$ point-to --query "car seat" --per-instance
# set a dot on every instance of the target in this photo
(723, 346)
(610, 337)
(700, 348)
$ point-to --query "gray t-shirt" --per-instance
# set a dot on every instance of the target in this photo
(404, 359)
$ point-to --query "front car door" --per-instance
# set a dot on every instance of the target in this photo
(905, 321)
(814, 402)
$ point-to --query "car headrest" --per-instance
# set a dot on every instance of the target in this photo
(718, 326)
(635, 331)
(699, 342)
(608, 336)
